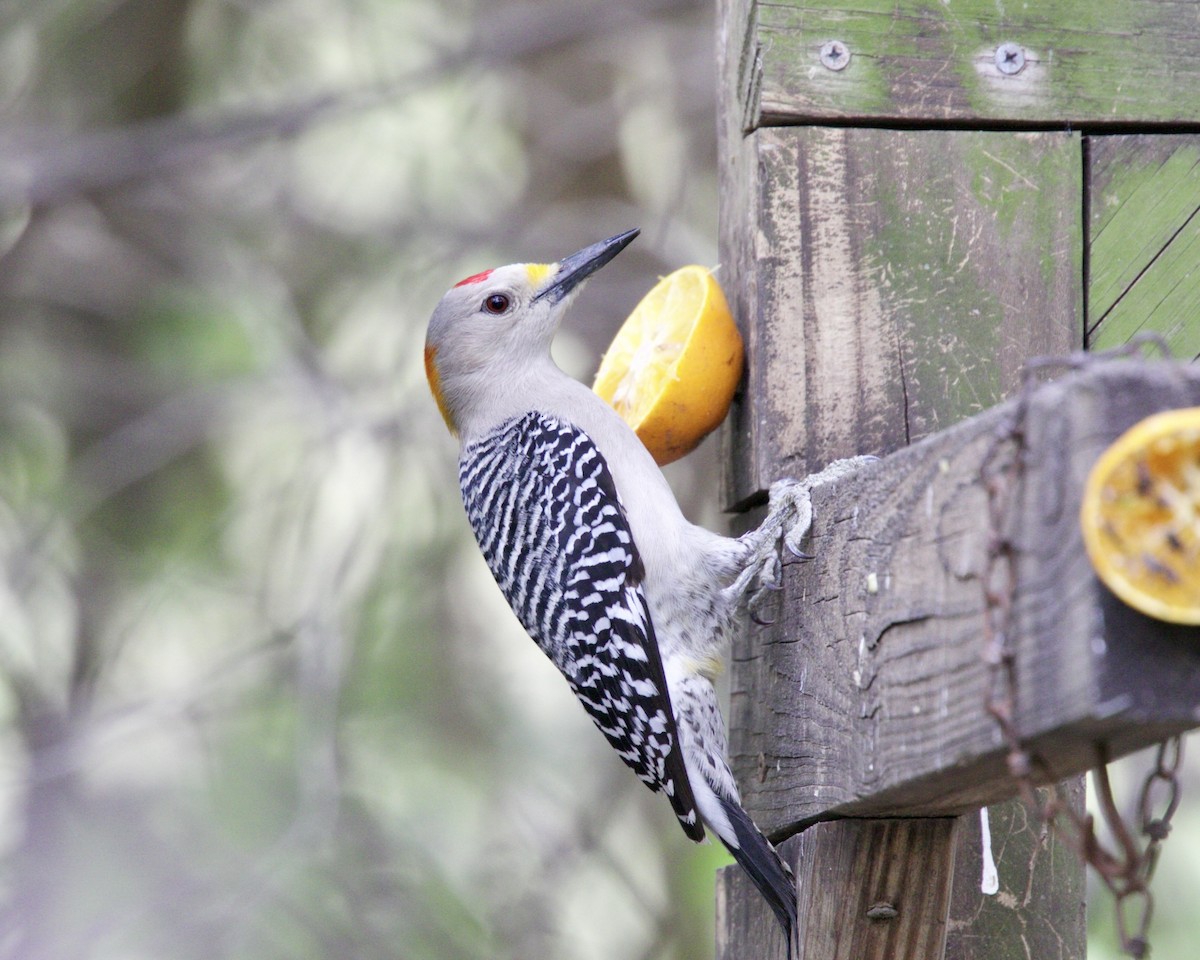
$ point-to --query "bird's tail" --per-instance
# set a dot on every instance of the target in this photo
(755, 854)
(702, 734)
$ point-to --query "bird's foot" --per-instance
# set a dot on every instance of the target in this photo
(789, 518)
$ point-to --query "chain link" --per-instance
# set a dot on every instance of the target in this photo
(1126, 870)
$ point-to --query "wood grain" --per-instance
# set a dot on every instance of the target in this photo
(867, 696)
(889, 283)
(1038, 911)
(1144, 240)
(891, 880)
(1137, 61)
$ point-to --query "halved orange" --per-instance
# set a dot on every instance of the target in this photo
(672, 368)
(1141, 516)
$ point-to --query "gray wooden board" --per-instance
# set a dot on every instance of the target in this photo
(1038, 910)
(867, 695)
(1082, 62)
(890, 283)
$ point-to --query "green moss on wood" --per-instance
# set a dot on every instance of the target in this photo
(1133, 61)
(1145, 240)
(979, 252)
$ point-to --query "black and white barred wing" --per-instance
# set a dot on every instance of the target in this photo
(545, 511)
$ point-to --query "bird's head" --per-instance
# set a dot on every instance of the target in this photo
(491, 326)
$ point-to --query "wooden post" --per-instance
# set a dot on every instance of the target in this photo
(892, 274)
(895, 876)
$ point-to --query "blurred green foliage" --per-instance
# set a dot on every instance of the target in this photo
(262, 699)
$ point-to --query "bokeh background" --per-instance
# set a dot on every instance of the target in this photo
(260, 696)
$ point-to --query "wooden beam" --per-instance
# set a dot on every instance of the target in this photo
(1076, 62)
(893, 878)
(867, 695)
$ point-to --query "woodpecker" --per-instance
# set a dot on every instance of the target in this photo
(632, 603)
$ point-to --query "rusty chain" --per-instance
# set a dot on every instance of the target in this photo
(1126, 870)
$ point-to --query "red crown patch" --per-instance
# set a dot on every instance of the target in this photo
(474, 278)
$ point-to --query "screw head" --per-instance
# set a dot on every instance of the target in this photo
(1010, 59)
(835, 55)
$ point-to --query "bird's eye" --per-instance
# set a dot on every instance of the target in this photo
(497, 303)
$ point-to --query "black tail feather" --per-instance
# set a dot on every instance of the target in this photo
(755, 854)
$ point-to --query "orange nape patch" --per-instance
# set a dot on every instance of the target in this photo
(538, 272)
(474, 278)
(435, 387)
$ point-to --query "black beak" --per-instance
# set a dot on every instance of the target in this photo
(576, 268)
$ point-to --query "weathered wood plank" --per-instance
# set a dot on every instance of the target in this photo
(867, 696)
(1038, 910)
(893, 877)
(1144, 243)
(890, 283)
(1137, 61)
(750, 185)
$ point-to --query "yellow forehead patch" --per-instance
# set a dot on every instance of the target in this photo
(538, 272)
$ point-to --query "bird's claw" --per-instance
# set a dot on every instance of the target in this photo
(759, 598)
(791, 509)
(755, 604)
(789, 519)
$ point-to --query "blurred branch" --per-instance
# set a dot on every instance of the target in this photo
(44, 166)
(144, 446)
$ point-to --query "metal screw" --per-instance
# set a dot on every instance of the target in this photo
(835, 55)
(1010, 58)
(882, 911)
